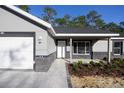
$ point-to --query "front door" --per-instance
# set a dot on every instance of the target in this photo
(61, 49)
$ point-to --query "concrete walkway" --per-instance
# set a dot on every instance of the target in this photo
(56, 77)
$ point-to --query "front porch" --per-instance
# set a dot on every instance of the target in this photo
(74, 49)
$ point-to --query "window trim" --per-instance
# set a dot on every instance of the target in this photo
(85, 48)
(120, 47)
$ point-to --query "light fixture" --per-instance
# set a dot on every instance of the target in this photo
(40, 40)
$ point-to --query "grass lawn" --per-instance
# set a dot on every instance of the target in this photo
(97, 75)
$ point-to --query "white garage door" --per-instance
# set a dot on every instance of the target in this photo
(16, 52)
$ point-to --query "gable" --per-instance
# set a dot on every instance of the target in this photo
(11, 21)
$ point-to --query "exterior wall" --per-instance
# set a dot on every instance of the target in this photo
(44, 63)
(44, 44)
(10, 22)
(101, 45)
(41, 48)
(51, 44)
(99, 50)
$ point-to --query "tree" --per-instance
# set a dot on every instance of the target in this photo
(122, 24)
(113, 27)
(92, 17)
(49, 14)
(100, 24)
(60, 22)
(63, 21)
(24, 7)
(80, 21)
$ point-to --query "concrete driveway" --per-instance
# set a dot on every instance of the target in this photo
(56, 77)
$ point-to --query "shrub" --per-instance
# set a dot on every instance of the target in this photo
(80, 62)
(105, 58)
(117, 59)
(101, 63)
(117, 62)
(91, 62)
(75, 66)
(97, 64)
(115, 68)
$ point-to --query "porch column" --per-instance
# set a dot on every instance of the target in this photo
(70, 50)
(109, 52)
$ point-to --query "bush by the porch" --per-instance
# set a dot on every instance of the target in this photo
(115, 68)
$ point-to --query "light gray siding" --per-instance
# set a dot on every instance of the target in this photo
(10, 22)
(101, 46)
(41, 48)
(51, 44)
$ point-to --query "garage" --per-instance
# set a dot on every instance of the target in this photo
(16, 52)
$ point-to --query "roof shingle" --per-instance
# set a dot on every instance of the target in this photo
(79, 30)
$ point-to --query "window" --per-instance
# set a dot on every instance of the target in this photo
(81, 47)
(117, 48)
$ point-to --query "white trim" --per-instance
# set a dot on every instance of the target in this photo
(81, 54)
(71, 50)
(117, 38)
(117, 54)
(90, 34)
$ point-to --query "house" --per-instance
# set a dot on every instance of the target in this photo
(27, 42)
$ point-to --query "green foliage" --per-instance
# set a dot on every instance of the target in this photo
(115, 68)
(49, 14)
(92, 19)
(80, 21)
(91, 62)
(75, 66)
(113, 27)
(80, 62)
(117, 59)
(24, 7)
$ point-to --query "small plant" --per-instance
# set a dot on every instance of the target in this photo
(75, 66)
(105, 59)
(97, 64)
(91, 62)
(101, 63)
(80, 62)
(117, 59)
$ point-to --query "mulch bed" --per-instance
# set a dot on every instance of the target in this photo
(87, 70)
(97, 75)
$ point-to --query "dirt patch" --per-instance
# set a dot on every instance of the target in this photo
(97, 82)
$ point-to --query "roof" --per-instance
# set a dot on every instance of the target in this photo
(121, 34)
(62, 31)
(79, 30)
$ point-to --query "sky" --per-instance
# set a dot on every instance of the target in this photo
(109, 13)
